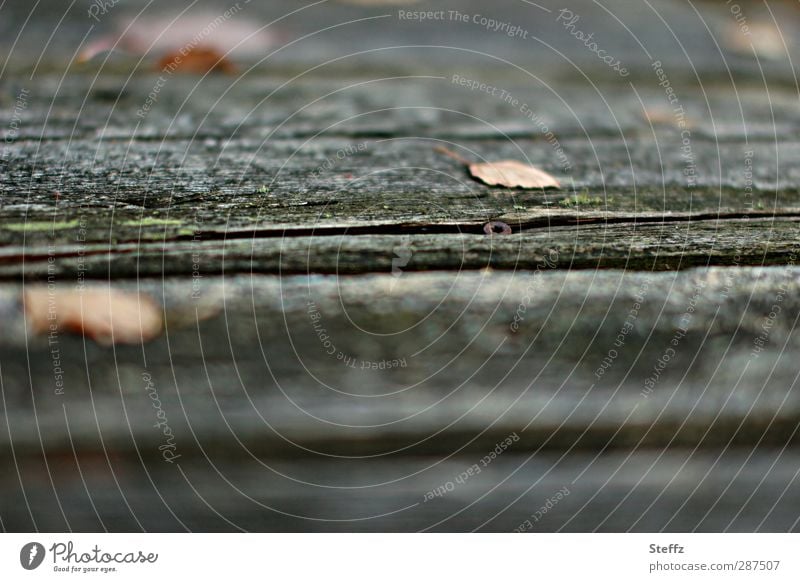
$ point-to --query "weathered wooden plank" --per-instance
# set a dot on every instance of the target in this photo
(170, 171)
(647, 491)
(67, 194)
(662, 400)
(393, 104)
(694, 41)
(587, 243)
(347, 366)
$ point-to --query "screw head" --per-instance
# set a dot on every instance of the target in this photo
(496, 227)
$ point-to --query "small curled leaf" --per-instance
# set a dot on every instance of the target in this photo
(506, 173)
(105, 315)
(197, 60)
(512, 174)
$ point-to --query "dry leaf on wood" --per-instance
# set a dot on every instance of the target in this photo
(666, 118)
(507, 173)
(763, 38)
(102, 314)
(241, 36)
(512, 174)
(199, 60)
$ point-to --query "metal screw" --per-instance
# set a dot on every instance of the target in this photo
(496, 227)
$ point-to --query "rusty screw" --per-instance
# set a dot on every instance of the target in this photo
(496, 227)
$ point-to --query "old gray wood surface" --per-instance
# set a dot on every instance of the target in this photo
(342, 338)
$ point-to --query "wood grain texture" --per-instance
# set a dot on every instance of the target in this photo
(647, 491)
(342, 337)
(467, 352)
(469, 381)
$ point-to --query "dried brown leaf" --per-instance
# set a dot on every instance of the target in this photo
(512, 174)
(664, 117)
(99, 313)
(199, 60)
(241, 36)
(508, 173)
(94, 48)
(763, 37)
(161, 33)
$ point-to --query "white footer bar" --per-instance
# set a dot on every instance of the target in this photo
(400, 557)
